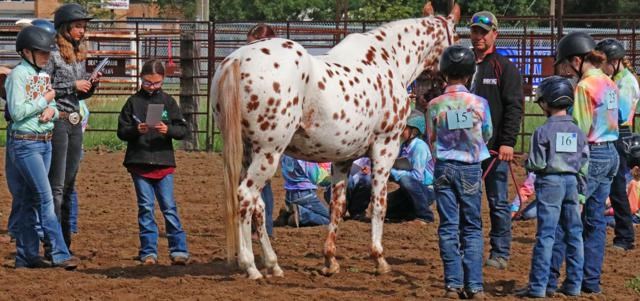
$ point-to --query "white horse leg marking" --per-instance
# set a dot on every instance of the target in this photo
(262, 167)
(246, 260)
(338, 207)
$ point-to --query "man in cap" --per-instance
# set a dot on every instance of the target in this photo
(499, 81)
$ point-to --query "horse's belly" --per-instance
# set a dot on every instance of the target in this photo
(328, 145)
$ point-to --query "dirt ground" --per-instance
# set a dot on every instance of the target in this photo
(108, 241)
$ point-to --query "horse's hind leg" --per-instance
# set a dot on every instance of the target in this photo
(382, 158)
(263, 167)
(269, 256)
(338, 207)
(246, 260)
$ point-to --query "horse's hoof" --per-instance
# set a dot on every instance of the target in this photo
(276, 271)
(254, 274)
(331, 268)
(383, 267)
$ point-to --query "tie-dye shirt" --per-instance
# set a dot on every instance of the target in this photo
(629, 95)
(303, 175)
(463, 138)
(417, 151)
(595, 110)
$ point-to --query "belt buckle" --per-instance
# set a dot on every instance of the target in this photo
(74, 118)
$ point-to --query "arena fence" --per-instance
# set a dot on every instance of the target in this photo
(192, 50)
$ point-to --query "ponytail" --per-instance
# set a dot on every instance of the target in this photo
(596, 58)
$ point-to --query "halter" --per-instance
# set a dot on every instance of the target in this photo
(446, 28)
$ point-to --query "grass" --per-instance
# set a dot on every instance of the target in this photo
(634, 284)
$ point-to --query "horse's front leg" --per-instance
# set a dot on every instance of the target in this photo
(338, 207)
(382, 158)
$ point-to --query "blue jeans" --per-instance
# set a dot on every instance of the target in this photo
(147, 190)
(311, 210)
(623, 229)
(30, 188)
(358, 195)
(499, 209)
(603, 165)
(73, 214)
(557, 207)
(459, 195)
(267, 197)
(11, 172)
(412, 200)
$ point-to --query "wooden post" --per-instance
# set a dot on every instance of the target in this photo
(188, 87)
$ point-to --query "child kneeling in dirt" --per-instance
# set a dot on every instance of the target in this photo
(459, 126)
(558, 155)
(412, 200)
(151, 162)
(301, 181)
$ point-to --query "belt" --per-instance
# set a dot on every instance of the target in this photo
(73, 117)
(592, 144)
(624, 130)
(33, 137)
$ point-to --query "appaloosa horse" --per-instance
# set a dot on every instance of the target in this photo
(274, 97)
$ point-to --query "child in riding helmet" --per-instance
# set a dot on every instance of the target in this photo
(558, 156)
(459, 127)
(72, 84)
(619, 69)
(595, 112)
(412, 200)
(32, 110)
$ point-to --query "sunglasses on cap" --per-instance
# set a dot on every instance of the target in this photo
(483, 20)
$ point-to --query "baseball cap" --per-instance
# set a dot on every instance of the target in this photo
(484, 19)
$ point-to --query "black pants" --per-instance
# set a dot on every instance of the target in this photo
(65, 161)
(624, 233)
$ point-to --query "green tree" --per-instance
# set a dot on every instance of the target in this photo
(385, 9)
(261, 10)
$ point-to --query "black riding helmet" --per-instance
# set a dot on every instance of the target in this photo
(34, 38)
(632, 150)
(574, 44)
(556, 92)
(68, 13)
(614, 50)
(457, 61)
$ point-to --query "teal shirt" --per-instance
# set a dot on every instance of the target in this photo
(24, 111)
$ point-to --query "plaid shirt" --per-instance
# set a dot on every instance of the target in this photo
(459, 125)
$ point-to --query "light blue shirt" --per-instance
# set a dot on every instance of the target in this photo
(23, 108)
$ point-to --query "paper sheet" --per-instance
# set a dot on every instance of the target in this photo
(154, 114)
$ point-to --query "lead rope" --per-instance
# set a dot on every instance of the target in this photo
(513, 178)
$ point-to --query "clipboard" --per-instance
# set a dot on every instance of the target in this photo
(403, 164)
(154, 114)
(99, 67)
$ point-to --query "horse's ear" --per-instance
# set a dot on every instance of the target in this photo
(455, 13)
(427, 10)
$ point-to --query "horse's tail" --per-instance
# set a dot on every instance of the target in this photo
(228, 100)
